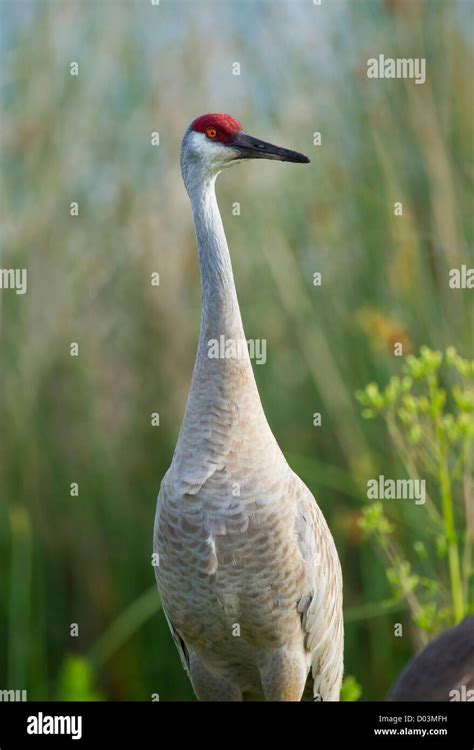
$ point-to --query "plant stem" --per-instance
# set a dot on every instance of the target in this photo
(408, 462)
(374, 609)
(125, 626)
(469, 513)
(19, 599)
(450, 530)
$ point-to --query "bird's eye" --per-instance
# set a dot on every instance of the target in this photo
(211, 133)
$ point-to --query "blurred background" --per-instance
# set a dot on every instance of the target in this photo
(86, 559)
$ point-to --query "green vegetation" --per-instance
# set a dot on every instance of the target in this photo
(86, 559)
(432, 430)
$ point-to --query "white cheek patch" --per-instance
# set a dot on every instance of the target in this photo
(208, 150)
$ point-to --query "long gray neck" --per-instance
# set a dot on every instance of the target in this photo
(220, 308)
(223, 410)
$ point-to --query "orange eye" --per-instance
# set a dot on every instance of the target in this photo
(211, 133)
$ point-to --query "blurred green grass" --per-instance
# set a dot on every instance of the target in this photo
(87, 559)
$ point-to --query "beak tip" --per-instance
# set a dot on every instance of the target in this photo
(300, 158)
(296, 158)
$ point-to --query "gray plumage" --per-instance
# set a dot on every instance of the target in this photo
(248, 573)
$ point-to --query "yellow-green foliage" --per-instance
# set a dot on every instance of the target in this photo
(429, 415)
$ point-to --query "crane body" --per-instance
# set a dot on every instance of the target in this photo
(248, 573)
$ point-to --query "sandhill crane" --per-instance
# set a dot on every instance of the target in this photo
(442, 671)
(248, 573)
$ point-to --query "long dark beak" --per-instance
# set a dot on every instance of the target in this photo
(253, 148)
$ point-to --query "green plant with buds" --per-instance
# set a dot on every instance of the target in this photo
(429, 416)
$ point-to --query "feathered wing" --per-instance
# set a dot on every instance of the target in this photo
(321, 606)
(179, 642)
(319, 602)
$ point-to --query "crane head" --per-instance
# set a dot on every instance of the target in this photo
(216, 141)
